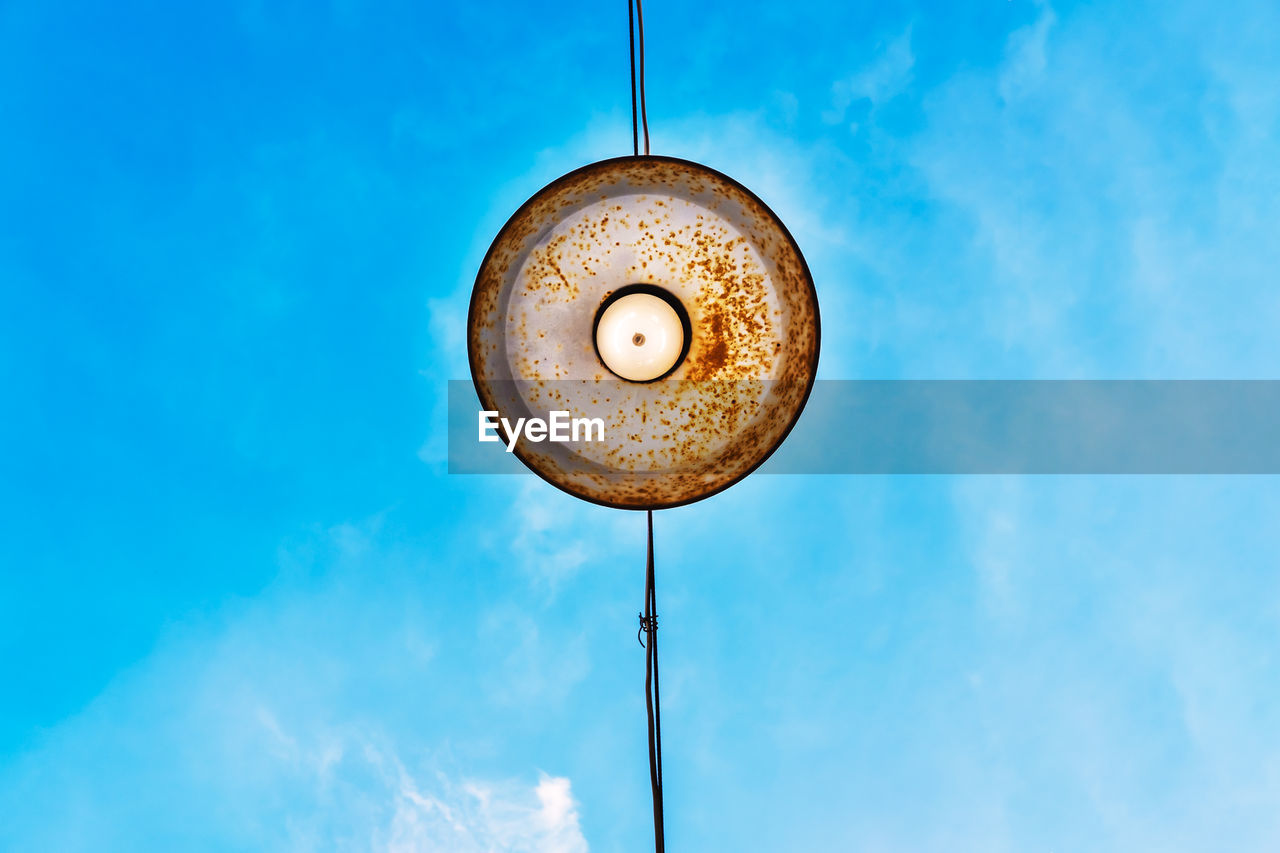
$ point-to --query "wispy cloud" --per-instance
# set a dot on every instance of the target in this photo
(480, 817)
(1120, 236)
(1025, 60)
(882, 80)
(262, 727)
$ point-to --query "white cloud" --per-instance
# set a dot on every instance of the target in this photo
(881, 81)
(275, 725)
(558, 536)
(480, 817)
(1025, 55)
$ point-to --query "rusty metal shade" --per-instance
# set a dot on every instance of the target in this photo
(705, 244)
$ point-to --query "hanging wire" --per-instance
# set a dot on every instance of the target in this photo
(635, 28)
(649, 625)
(631, 39)
(649, 618)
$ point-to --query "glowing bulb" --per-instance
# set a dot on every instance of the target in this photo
(639, 337)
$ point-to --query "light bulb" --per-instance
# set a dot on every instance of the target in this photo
(639, 337)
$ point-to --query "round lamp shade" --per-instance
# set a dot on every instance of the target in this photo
(661, 307)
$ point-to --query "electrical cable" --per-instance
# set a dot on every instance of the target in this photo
(635, 32)
(649, 618)
(649, 624)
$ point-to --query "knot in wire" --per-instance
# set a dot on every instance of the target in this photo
(648, 624)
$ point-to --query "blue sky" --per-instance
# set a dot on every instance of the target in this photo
(242, 607)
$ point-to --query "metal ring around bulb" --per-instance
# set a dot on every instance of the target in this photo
(667, 297)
